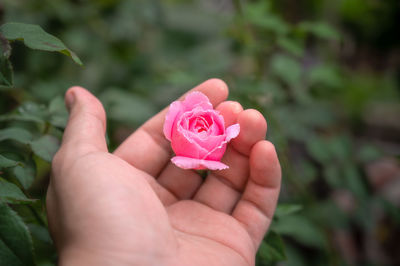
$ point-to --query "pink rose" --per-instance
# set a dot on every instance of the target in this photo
(197, 133)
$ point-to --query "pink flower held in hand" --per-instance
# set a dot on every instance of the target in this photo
(197, 133)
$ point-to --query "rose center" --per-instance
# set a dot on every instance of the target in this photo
(200, 124)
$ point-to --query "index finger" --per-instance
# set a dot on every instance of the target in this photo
(147, 148)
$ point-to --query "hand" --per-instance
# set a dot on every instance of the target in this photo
(134, 207)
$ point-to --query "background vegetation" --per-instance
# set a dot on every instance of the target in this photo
(326, 75)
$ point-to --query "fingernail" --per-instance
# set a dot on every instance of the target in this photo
(69, 100)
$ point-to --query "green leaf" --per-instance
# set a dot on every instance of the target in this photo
(295, 256)
(40, 232)
(333, 175)
(5, 162)
(302, 229)
(272, 248)
(325, 75)
(320, 29)
(286, 68)
(318, 149)
(260, 15)
(354, 181)
(329, 214)
(340, 146)
(291, 46)
(15, 241)
(271, 22)
(7, 256)
(308, 170)
(19, 117)
(45, 147)
(6, 76)
(10, 193)
(25, 174)
(31, 111)
(36, 38)
(284, 209)
(17, 134)
(58, 112)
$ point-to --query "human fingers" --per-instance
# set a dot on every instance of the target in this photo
(83, 134)
(147, 149)
(85, 130)
(257, 204)
(222, 189)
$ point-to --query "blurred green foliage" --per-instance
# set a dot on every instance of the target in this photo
(324, 73)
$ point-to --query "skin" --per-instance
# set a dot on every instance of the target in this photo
(134, 207)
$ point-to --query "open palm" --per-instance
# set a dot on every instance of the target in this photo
(134, 207)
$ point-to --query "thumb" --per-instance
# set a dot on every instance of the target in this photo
(85, 131)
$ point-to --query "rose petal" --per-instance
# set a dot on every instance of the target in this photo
(207, 142)
(184, 145)
(173, 112)
(232, 132)
(214, 120)
(196, 99)
(218, 152)
(191, 163)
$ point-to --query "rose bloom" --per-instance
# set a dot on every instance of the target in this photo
(197, 133)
